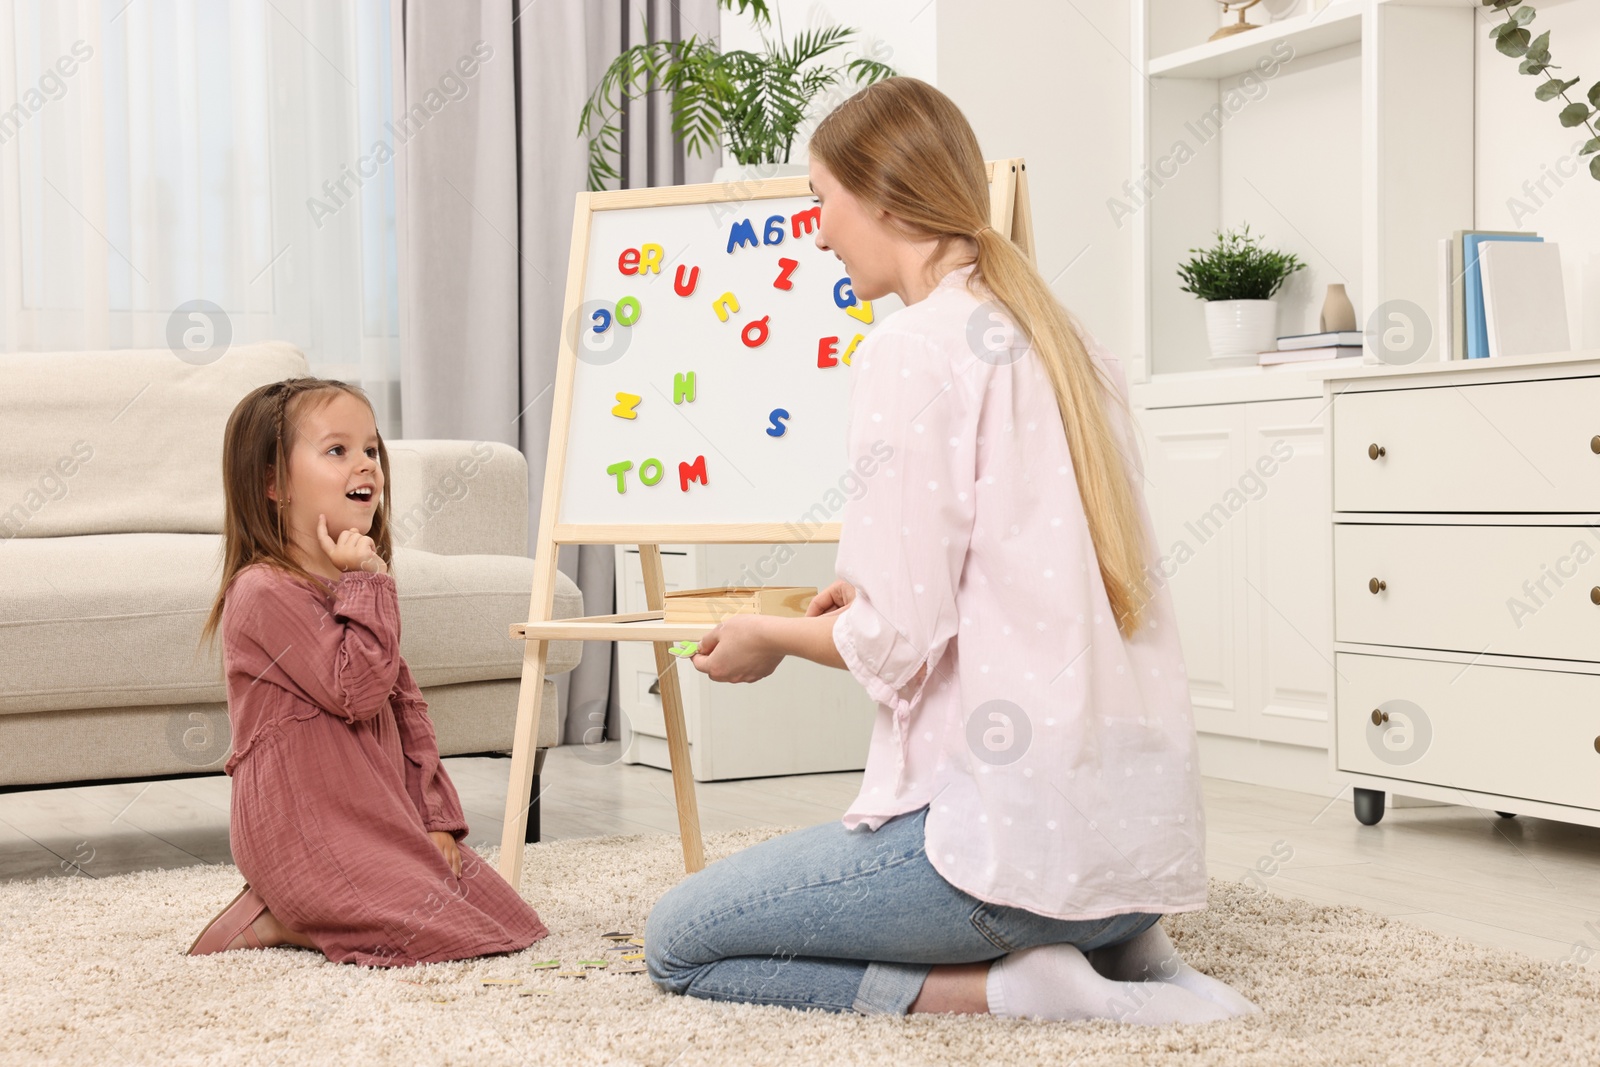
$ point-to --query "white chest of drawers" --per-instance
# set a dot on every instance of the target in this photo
(1466, 584)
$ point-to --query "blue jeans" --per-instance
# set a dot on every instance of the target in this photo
(840, 920)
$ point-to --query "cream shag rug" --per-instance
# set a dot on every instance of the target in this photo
(93, 970)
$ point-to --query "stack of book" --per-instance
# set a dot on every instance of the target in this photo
(1299, 347)
(1501, 293)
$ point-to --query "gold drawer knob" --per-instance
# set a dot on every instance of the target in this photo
(1374, 451)
(1597, 744)
(1381, 717)
(1594, 443)
(1376, 586)
(1594, 595)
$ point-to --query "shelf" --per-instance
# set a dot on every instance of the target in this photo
(1364, 371)
(639, 626)
(1335, 25)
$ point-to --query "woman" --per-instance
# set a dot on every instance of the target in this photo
(1031, 805)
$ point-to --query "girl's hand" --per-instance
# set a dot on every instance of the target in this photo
(446, 843)
(738, 650)
(355, 551)
(834, 598)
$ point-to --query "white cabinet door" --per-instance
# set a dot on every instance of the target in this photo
(1194, 456)
(1288, 572)
(1239, 495)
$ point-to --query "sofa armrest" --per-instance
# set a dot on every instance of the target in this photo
(459, 498)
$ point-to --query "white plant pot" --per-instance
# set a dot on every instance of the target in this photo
(1239, 330)
(756, 172)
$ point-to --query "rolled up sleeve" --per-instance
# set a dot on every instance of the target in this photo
(904, 537)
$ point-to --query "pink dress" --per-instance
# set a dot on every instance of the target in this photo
(337, 780)
(1058, 759)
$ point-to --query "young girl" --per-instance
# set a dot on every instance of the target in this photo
(344, 822)
(1031, 804)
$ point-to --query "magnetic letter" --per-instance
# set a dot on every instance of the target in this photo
(807, 219)
(725, 303)
(678, 284)
(754, 333)
(649, 259)
(602, 320)
(628, 262)
(644, 471)
(841, 289)
(861, 311)
(620, 469)
(692, 472)
(628, 311)
(626, 402)
(683, 388)
(825, 350)
(851, 350)
(783, 281)
(742, 234)
(777, 429)
(772, 232)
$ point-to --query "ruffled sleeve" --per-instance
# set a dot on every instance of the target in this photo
(341, 657)
(903, 539)
(427, 782)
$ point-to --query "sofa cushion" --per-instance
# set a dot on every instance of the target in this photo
(107, 442)
(108, 620)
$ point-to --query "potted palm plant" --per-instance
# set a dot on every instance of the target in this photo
(756, 100)
(1237, 278)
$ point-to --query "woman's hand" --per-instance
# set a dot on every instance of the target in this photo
(738, 650)
(355, 551)
(446, 843)
(834, 598)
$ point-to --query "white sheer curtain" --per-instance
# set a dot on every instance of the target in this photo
(158, 152)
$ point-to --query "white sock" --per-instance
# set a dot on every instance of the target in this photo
(1151, 957)
(1057, 982)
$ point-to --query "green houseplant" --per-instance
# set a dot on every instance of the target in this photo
(1237, 278)
(757, 100)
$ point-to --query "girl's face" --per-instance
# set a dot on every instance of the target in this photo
(333, 454)
(861, 237)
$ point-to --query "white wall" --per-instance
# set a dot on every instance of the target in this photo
(1529, 176)
(1050, 81)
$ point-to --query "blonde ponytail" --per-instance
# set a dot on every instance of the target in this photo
(903, 146)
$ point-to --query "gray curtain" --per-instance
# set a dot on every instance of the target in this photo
(484, 198)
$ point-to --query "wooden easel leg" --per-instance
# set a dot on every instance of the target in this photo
(672, 708)
(525, 738)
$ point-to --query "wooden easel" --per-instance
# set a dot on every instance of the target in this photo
(1010, 214)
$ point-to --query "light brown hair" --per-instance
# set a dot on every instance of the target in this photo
(255, 448)
(903, 146)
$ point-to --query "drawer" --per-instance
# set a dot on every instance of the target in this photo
(1506, 446)
(1499, 590)
(1501, 730)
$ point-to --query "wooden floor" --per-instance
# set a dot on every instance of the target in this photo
(1523, 884)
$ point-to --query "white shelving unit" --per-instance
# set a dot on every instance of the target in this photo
(1345, 136)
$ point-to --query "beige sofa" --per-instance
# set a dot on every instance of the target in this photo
(110, 555)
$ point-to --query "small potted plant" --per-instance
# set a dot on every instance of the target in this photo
(1237, 278)
(758, 100)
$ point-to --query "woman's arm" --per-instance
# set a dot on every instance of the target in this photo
(810, 637)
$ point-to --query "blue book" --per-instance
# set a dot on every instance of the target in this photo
(1477, 322)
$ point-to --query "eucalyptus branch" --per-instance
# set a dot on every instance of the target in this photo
(1510, 38)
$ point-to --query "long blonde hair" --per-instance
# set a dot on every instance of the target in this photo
(903, 146)
(257, 441)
